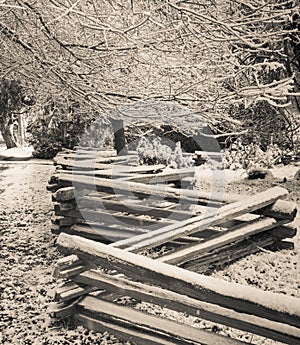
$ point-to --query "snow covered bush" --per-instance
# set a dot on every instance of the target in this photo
(154, 152)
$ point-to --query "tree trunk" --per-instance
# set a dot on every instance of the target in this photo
(8, 136)
(21, 130)
(119, 136)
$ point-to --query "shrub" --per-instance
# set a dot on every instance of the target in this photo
(60, 124)
(154, 152)
(240, 156)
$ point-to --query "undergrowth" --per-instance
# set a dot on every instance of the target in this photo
(154, 152)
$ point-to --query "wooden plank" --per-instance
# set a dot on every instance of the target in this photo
(109, 233)
(102, 234)
(181, 303)
(80, 151)
(282, 209)
(62, 310)
(92, 155)
(64, 194)
(166, 329)
(100, 214)
(108, 173)
(60, 207)
(103, 216)
(69, 272)
(63, 286)
(52, 187)
(172, 175)
(244, 218)
(92, 165)
(70, 290)
(240, 298)
(192, 252)
(110, 296)
(88, 231)
(82, 165)
(66, 159)
(229, 253)
(65, 221)
(121, 332)
(107, 230)
(162, 192)
(202, 222)
(66, 261)
(187, 240)
(90, 148)
(124, 170)
(286, 231)
(142, 207)
(66, 309)
(76, 292)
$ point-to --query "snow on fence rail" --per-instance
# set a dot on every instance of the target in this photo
(102, 275)
(96, 274)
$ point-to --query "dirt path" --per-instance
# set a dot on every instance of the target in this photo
(28, 255)
(27, 252)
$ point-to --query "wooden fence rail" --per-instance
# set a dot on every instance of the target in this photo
(109, 212)
(144, 279)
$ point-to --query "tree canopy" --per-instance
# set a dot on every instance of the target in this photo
(220, 57)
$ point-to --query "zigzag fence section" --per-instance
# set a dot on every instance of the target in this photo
(122, 247)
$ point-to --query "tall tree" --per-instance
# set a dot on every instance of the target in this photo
(12, 99)
(210, 54)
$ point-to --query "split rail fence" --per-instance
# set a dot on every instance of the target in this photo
(143, 232)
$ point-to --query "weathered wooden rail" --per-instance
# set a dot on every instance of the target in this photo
(144, 279)
(109, 216)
